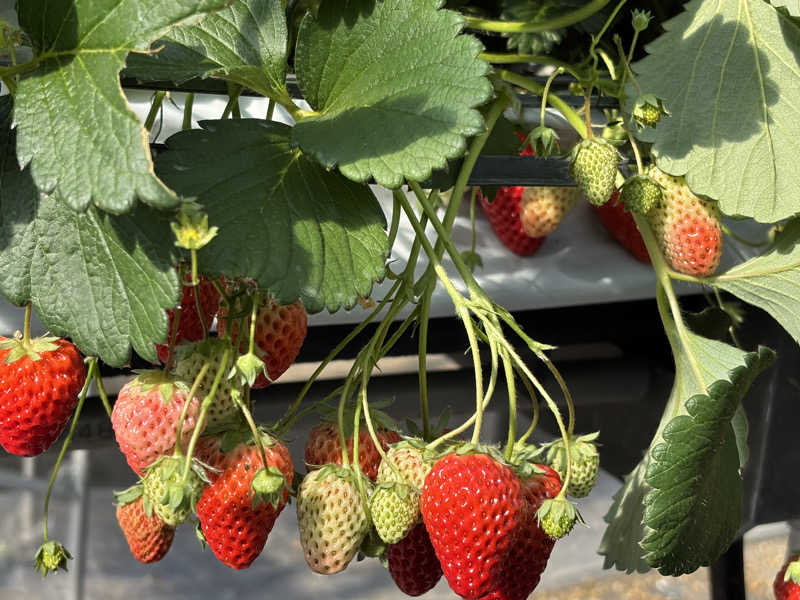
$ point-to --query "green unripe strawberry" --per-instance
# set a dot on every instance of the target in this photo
(331, 519)
(585, 463)
(641, 193)
(594, 168)
(51, 557)
(395, 510)
(165, 492)
(557, 517)
(648, 110)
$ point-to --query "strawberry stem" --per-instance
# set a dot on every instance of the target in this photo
(535, 403)
(532, 86)
(546, 93)
(563, 20)
(422, 359)
(26, 327)
(253, 317)
(101, 390)
(187, 111)
(201, 418)
(512, 404)
(155, 107)
(184, 411)
(67, 441)
(248, 416)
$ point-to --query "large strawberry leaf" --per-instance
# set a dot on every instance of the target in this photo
(83, 141)
(625, 518)
(102, 280)
(299, 230)
(771, 281)
(244, 43)
(690, 478)
(393, 86)
(728, 73)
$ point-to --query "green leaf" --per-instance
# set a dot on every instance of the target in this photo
(169, 62)
(689, 480)
(393, 85)
(727, 71)
(297, 229)
(244, 43)
(771, 281)
(104, 281)
(82, 139)
(620, 543)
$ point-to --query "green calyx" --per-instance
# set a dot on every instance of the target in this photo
(648, 110)
(793, 571)
(51, 557)
(594, 169)
(32, 349)
(640, 19)
(249, 367)
(268, 486)
(641, 194)
(129, 495)
(167, 494)
(557, 517)
(165, 383)
(544, 141)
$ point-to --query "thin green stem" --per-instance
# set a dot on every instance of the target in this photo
(535, 404)
(503, 58)
(473, 200)
(512, 404)
(287, 420)
(101, 391)
(155, 106)
(564, 390)
(532, 86)
(67, 441)
(596, 39)
(663, 277)
(395, 224)
(422, 356)
(201, 418)
(187, 111)
(563, 20)
(636, 153)
(759, 244)
(234, 90)
(248, 416)
(253, 318)
(340, 422)
(185, 410)
(546, 93)
(26, 324)
(270, 109)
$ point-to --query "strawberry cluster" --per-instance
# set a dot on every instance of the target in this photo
(186, 429)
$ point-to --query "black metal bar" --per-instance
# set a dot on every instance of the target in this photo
(727, 574)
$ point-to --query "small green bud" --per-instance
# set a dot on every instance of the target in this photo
(641, 19)
(648, 110)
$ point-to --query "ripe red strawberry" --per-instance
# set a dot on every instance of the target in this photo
(145, 418)
(236, 519)
(413, 564)
(505, 216)
(527, 558)
(39, 385)
(149, 538)
(279, 335)
(621, 225)
(544, 207)
(190, 328)
(787, 587)
(323, 448)
(471, 506)
(687, 227)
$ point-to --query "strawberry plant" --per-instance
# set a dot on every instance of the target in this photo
(123, 250)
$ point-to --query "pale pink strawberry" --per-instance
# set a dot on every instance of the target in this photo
(542, 208)
(145, 417)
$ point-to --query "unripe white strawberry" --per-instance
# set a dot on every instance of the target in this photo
(331, 519)
(543, 208)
